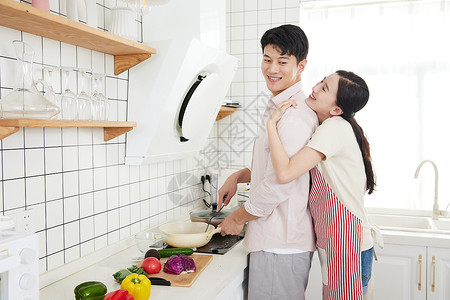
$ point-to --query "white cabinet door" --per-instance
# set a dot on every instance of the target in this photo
(400, 273)
(438, 275)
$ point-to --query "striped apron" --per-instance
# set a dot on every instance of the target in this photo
(339, 237)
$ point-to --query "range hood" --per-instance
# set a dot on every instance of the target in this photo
(175, 97)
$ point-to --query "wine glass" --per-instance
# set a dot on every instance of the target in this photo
(69, 101)
(47, 83)
(84, 100)
(102, 101)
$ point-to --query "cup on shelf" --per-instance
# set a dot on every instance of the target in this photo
(99, 98)
(69, 101)
(47, 84)
(84, 98)
(123, 22)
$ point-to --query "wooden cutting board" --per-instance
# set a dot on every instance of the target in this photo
(187, 279)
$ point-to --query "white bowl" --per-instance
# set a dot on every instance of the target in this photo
(147, 240)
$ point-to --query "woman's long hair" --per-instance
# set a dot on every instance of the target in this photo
(352, 96)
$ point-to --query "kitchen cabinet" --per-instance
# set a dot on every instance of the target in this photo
(412, 273)
(400, 272)
(438, 273)
(111, 129)
(26, 18)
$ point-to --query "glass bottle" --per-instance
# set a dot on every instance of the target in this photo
(25, 101)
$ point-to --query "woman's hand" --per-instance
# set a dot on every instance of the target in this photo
(279, 111)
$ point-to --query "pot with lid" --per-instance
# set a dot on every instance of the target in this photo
(205, 215)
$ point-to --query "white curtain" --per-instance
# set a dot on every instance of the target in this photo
(402, 50)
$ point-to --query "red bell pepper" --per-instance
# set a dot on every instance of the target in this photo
(119, 295)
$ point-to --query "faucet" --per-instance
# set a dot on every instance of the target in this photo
(436, 211)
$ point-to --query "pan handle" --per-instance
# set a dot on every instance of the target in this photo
(209, 235)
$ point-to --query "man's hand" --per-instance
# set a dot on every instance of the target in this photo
(234, 223)
(227, 191)
(229, 188)
(230, 226)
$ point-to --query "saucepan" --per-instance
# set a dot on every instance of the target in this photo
(188, 234)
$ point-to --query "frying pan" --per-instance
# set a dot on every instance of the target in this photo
(188, 234)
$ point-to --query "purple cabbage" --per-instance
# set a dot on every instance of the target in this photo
(179, 263)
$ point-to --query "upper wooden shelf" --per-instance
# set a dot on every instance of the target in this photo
(224, 112)
(111, 129)
(26, 18)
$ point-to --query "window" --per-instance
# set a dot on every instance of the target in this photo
(402, 50)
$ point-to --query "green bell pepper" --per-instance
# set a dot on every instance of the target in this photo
(91, 290)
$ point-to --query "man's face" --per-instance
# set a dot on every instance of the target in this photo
(280, 71)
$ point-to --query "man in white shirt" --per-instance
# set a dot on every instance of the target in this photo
(279, 234)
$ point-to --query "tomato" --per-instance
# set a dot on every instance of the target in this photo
(151, 265)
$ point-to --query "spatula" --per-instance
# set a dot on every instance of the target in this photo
(210, 219)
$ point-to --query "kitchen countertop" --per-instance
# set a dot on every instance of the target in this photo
(222, 270)
(416, 238)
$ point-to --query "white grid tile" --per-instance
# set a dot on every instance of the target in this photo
(35, 190)
(54, 213)
(14, 194)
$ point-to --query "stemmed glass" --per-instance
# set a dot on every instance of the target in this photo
(47, 83)
(69, 101)
(100, 98)
(84, 100)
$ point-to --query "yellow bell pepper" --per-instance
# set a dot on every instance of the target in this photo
(137, 285)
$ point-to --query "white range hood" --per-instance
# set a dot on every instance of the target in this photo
(176, 95)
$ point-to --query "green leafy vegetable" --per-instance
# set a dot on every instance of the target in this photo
(121, 274)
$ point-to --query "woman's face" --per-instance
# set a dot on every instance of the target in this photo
(280, 71)
(323, 98)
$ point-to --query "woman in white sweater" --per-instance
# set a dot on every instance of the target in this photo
(338, 156)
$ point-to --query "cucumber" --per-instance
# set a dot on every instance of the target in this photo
(174, 251)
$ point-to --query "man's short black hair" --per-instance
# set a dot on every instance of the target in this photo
(289, 39)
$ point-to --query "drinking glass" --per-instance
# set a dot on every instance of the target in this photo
(69, 102)
(84, 100)
(49, 93)
(97, 105)
(100, 98)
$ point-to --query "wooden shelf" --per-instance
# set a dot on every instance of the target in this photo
(111, 129)
(26, 18)
(225, 111)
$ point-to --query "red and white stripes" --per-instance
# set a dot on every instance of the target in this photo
(339, 233)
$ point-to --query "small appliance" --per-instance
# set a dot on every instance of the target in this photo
(19, 270)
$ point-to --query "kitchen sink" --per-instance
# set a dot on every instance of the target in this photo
(410, 223)
(400, 222)
(442, 224)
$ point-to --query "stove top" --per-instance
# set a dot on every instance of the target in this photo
(220, 244)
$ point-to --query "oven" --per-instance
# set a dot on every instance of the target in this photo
(19, 267)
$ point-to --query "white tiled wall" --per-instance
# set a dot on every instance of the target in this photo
(246, 23)
(84, 196)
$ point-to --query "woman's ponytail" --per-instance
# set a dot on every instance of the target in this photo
(365, 151)
(352, 96)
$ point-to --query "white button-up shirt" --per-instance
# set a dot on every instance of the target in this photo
(285, 221)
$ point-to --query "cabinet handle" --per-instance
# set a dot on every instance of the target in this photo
(420, 272)
(433, 286)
